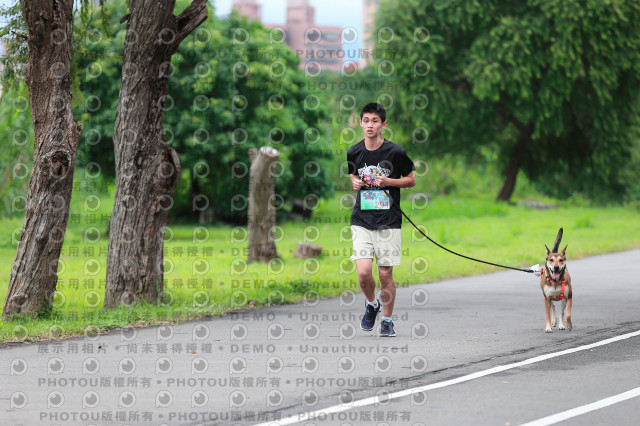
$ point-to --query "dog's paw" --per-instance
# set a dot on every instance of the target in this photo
(569, 325)
(547, 329)
(562, 327)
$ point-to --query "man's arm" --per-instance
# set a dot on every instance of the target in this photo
(356, 182)
(408, 181)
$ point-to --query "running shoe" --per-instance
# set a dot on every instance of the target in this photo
(369, 317)
(386, 329)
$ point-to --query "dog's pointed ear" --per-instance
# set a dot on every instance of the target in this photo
(548, 251)
(564, 250)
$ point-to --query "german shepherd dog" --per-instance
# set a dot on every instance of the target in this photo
(555, 283)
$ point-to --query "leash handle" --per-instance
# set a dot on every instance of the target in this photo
(529, 271)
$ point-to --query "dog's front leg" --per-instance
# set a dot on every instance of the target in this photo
(547, 329)
(562, 311)
(569, 323)
(552, 313)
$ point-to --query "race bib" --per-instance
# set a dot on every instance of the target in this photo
(374, 200)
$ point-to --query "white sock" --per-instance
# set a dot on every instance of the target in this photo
(374, 303)
(386, 318)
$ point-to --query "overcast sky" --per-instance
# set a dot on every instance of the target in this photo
(274, 11)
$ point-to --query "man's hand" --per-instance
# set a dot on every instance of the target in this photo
(382, 181)
(356, 182)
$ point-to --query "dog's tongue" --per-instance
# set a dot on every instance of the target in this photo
(555, 275)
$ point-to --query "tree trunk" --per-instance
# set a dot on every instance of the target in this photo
(515, 162)
(56, 136)
(147, 168)
(262, 214)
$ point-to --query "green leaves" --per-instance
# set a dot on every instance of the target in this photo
(567, 70)
(16, 151)
(230, 89)
(14, 36)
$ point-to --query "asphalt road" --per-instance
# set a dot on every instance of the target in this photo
(468, 351)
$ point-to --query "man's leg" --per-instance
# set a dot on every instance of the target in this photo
(388, 289)
(363, 256)
(368, 286)
(388, 253)
(365, 278)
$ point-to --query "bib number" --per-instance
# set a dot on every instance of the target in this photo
(374, 200)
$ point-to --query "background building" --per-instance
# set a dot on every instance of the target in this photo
(319, 44)
(369, 8)
(249, 8)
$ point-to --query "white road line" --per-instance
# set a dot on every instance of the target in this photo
(302, 417)
(555, 418)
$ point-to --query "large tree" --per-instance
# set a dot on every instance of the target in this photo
(56, 136)
(234, 86)
(147, 168)
(551, 86)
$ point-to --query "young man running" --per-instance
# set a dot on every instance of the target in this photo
(375, 164)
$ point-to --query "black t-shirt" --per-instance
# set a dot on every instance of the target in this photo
(389, 160)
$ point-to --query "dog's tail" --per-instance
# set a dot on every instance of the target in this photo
(556, 245)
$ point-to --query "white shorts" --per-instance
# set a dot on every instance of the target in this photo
(385, 244)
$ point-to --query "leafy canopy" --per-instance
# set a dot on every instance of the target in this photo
(234, 85)
(565, 74)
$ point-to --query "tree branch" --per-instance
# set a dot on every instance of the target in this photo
(522, 128)
(458, 82)
(22, 36)
(189, 20)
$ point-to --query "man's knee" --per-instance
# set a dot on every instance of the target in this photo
(385, 273)
(365, 275)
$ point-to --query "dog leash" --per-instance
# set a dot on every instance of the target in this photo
(529, 271)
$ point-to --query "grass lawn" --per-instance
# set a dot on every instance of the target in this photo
(206, 273)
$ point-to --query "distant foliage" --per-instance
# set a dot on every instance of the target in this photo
(16, 126)
(232, 88)
(13, 37)
(16, 152)
(563, 74)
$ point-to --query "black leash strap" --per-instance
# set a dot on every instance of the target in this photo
(529, 271)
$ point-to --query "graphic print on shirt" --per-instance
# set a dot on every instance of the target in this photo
(368, 174)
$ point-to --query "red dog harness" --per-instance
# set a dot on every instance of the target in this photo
(562, 290)
(553, 282)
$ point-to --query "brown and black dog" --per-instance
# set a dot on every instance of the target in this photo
(555, 283)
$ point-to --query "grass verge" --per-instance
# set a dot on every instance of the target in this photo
(206, 273)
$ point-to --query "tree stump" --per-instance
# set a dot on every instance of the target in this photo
(306, 250)
(262, 214)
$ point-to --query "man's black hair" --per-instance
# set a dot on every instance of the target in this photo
(374, 108)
